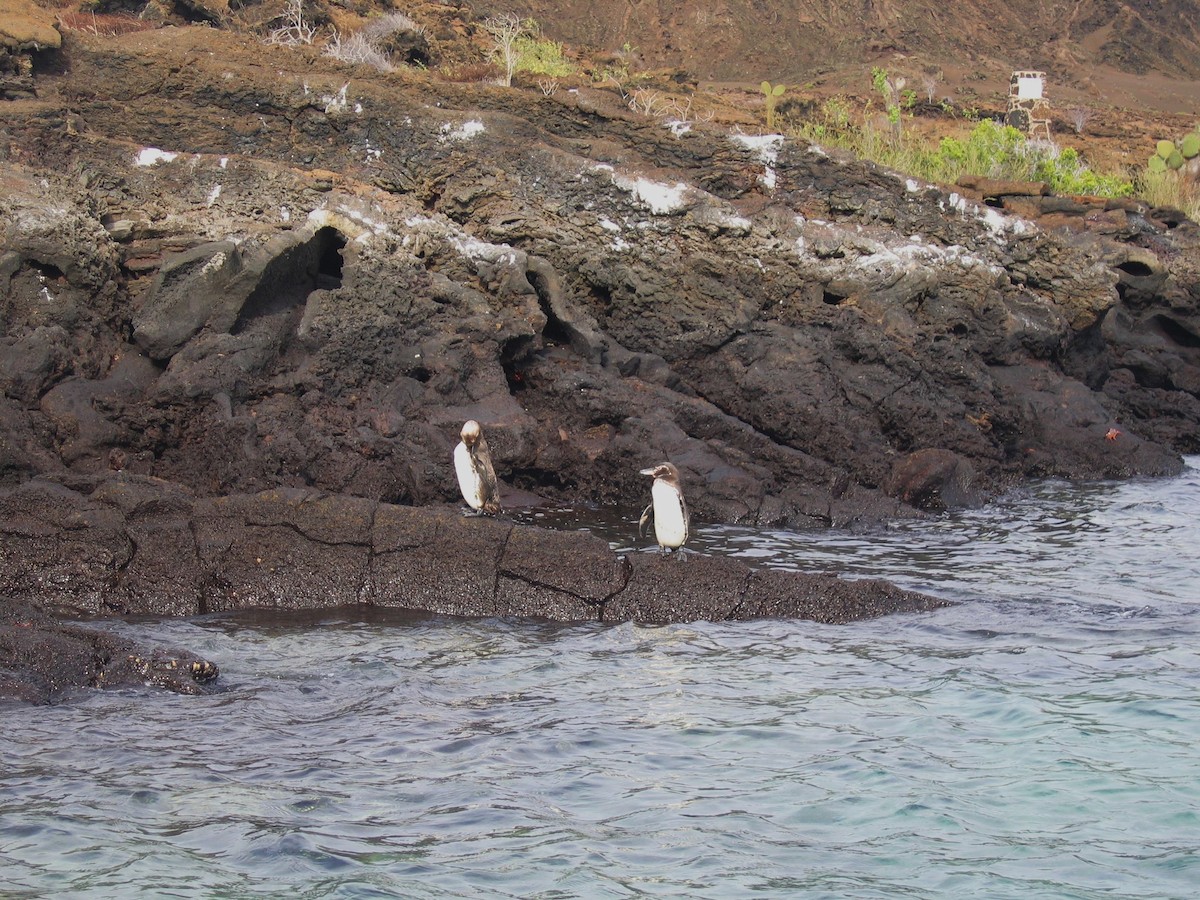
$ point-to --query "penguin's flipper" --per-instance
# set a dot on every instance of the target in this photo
(646, 519)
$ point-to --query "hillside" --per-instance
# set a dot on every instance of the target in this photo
(1081, 44)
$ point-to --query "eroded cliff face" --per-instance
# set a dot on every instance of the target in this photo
(313, 276)
(229, 269)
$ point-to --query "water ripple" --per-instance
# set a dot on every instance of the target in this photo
(1036, 740)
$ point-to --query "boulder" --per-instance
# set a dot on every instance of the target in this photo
(134, 545)
(26, 26)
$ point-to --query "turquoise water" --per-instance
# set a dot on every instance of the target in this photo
(1040, 739)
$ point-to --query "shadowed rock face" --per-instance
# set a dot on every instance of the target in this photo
(233, 373)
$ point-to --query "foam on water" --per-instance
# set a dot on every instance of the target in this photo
(1036, 740)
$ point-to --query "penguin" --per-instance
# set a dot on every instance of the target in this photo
(476, 477)
(667, 508)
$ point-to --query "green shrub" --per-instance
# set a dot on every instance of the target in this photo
(1066, 174)
(991, 150)
(539, 55)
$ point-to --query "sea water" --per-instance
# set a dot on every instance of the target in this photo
(1040, 738)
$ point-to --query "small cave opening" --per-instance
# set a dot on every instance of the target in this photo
(47, 271)
(417, 56)
(290, 277)
(831, 298)
(538, 480)
(49, 62)
(516, 355)
(197, 14)
(599, 300)
(1135, 268)
(330, 244)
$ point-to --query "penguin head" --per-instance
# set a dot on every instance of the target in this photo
(471, 432)
(666, 471)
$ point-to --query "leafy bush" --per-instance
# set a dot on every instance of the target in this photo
(1066, 174)
(539, 55)
(994, 150)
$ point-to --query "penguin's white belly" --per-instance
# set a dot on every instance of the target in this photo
(469, 481)
(670, 524)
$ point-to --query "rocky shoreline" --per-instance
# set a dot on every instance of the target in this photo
(128, 545)
(249, 296)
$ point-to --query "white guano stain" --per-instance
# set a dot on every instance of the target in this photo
(464, 132)
(152, 156)
(766, 147)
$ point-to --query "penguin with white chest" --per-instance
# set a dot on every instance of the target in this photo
(667, 508)
(476, 477)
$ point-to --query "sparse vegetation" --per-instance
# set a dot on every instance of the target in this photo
(366, 46)
(108, 24)
(294, 31)
(518, 45)
(659, 105)
(894, 98)
(356, 49)
(1066, 173)
(999, 151)
(930, 84)
(989, 149)
(1079, 116)
(1174, 190)
(992, 150)
(506, 32)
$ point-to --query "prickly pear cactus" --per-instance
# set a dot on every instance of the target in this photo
(1172, 156)
(772, 94)
(1189, 147)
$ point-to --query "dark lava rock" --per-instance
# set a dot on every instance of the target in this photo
(42, 658)
(129, 544)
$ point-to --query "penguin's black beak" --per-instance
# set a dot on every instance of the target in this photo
(649, 471)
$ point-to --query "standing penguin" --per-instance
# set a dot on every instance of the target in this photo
(667, 508)
(476, 477)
